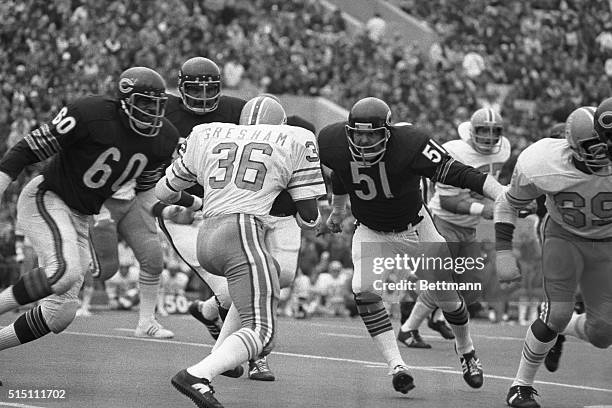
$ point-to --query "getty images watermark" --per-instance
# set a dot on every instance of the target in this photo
(423, 272)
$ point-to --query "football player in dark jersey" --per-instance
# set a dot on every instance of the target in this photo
(95, 144)
(379, 166)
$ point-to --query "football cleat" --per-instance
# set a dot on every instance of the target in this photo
(235, 372)
(412, 339)
(402, 380)
(521, 396)
(260, 371)
(472, 369)
(152, 329)
(196, 389)
(213, 326)
(551, 362)
(441, 327)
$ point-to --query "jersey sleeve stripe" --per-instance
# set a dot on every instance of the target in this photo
(446, 168)
(305, 177)
(307, 169)
(179, 168)
(50, 138)
(170, 186)
(515, 200)
(316, 183)
(186, 169)
(179, 176)
(41, 150)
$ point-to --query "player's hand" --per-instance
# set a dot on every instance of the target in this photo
(19, 256)
(334, 221)
(178, 214)
(507, 268)
(487, 211)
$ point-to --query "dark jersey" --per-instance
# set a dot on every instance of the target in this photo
(283, 205)
(93, 153)
(228, 111)
(386, 196)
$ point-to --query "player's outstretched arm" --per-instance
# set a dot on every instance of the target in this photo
(338, 212)
(13, 162)
(307, 217)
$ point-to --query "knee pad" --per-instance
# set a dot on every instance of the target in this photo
(32, 286)
(368, 302)
(151, 259)
(599, 333)
(59, 315)
(558, 315)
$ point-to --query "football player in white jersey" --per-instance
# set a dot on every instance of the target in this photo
(576, 177)
(242, 168)
(457, 211)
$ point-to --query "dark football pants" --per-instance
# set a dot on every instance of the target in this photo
(132, 219)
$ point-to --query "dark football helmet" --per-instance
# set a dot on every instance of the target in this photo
(603, 123)
(368, 130)
(263, 109)
(142, 95)
(199, 83)
(586, 143)
(486, 131)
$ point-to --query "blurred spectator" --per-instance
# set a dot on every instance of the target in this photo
(331, 288)
(376, 27)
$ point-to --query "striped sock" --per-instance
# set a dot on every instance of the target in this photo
(538, 341)
(28, 327)
(376, 321)
(459, 321)
(238, 348)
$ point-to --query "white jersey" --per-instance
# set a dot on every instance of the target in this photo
(579, 202)
(244, 167)
(461, 150)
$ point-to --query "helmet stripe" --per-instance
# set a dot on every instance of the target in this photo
(589, 110)
(256, 110)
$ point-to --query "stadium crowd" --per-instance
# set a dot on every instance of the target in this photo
(558, 54)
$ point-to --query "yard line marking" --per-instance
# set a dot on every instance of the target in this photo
(11, 404)
(352, 336)
(337, 359)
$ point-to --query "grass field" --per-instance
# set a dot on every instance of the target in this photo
(320, 362)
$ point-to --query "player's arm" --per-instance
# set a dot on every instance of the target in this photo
(433, 162)
(40, 144)
(451, 200)
(179, 177)
(339, 201)
(306, 182)
(520, 193)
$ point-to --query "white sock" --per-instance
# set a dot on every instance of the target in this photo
(387, 345)
(534, 353)
(149, 288)
(8, 337)
(231, 324)
(231, 353)
(7, 300)
(417, 316)
(576, 327)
